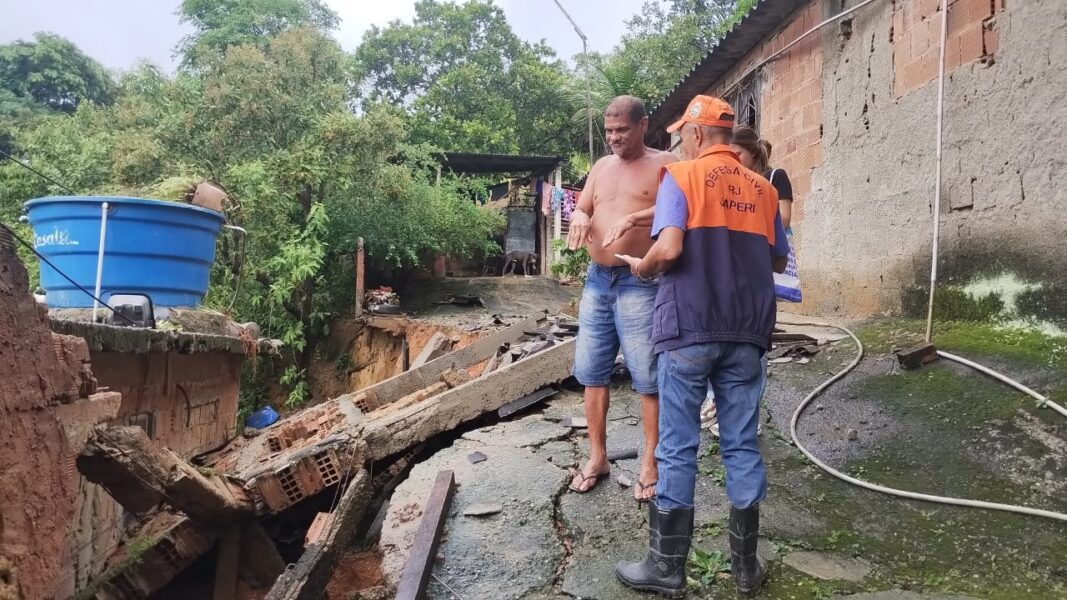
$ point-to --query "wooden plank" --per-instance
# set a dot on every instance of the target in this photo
(420, 562)
(261, 564)
(395, 431)
(917, 356)
(401, 385)
(307, 579)
(792, 337)
(227, 563)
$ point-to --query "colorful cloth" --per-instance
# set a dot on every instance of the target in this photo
(557, 199)
(570, 200)
(546, 198)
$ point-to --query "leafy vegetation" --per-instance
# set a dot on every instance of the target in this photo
(317, 147)
(573, 264)
(704, 568)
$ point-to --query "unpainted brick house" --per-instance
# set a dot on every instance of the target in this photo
(851, 111)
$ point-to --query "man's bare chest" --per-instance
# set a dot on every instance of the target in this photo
(628, 186)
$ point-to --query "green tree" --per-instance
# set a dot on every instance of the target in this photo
(306, 176)
(220, 24)
(467, 81)
(669, 37)
(52, 72)
(609, 76)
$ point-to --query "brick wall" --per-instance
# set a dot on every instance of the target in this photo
(790, 99)
(916, 35)
(864, 178)
(188, 401)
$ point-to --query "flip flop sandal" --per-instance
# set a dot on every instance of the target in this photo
(644, 486)
(595, 476)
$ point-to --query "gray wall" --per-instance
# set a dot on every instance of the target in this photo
(865, 236)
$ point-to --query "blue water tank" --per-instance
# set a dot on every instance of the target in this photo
(162, 249)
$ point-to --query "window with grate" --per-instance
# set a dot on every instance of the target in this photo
(745, 101)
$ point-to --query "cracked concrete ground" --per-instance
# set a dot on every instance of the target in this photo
(823, 538)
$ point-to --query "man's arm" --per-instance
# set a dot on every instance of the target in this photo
(580, 230)
(641, 218)
(661, 256)
(668, 227)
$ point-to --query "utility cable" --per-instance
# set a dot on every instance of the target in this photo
(45, 260)
(35, 171)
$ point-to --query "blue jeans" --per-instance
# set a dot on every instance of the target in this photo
(736, 375)
(616, 310)
(763, 382)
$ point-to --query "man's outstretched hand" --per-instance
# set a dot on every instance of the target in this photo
(618, 230)
(580, 232)
(633, 261)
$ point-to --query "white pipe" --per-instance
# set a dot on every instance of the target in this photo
(937, 169)
(100, 257)
(1024, 510)
(1041, 400)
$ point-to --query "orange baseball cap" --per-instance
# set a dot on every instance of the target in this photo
(706, 110)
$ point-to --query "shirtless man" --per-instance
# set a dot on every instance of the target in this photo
(617, 307)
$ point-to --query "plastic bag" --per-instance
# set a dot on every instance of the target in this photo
(787, 285)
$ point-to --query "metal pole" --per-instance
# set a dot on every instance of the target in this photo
(360, 281)
(588, 101)
(100, 257)
(588, 79)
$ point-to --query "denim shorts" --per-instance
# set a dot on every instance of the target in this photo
(616, 311)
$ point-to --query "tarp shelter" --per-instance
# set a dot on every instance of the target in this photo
(527, 227)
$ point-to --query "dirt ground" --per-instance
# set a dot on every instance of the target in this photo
(355, 571)
(943, 429)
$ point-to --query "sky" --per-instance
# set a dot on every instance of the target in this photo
(122, 33)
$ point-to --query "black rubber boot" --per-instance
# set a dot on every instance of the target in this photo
(663, 570)
(748, 568)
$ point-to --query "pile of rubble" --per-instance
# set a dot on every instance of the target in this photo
(321, 456)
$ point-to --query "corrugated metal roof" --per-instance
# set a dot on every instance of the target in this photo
(463, 162)
(757, 25)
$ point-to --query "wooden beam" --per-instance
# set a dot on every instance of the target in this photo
(916, 356)
(140, 475)
(361, 289)
(227, 562)
(395, 431)
(261, 564)
(525, 402)
(307, 579)
(419, 566)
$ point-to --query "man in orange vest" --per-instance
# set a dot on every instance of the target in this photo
(715, 227)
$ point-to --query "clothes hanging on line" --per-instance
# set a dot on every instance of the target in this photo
(557, 199)
(547, 190)
(570, 201)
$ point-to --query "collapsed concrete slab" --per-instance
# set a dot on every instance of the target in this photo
(140, 475)
(324, 447)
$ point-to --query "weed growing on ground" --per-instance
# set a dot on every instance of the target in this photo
(710, 529)
(719, 475)
(704, 568)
